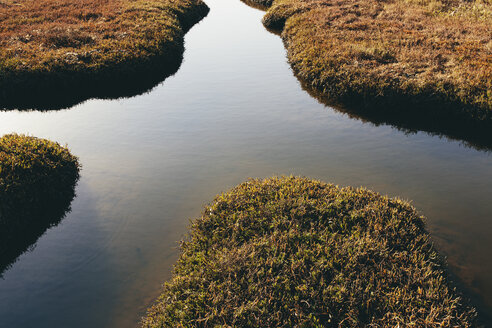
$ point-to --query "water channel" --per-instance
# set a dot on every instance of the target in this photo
(233, 110)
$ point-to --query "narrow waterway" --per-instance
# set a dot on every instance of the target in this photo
(233, 110)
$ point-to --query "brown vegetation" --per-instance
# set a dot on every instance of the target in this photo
(294, 252)
(432, 53)
(48, 40)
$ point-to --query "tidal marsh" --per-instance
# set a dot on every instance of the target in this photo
(55, 51)
(294, 252)
(431, 58)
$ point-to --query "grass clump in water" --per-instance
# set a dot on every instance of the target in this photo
(393, 54)
(294, 252)
(37, 181)
(71, 45)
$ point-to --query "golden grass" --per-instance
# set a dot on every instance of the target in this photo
(392, 52)
(293, 252)
(64, 37)
(36, 34)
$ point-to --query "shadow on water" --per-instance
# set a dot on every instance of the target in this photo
(66, 88)
(471, 133)
(470, 294)
(434, 119)
(408, 117)
(22, 222)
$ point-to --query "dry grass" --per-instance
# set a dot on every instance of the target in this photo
(392, 52)
(293, 252)
(66, 37)
(35, 34)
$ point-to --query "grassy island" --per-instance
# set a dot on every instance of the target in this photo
(431, 57)
(84, 48)
(293, 252)
(37, 181)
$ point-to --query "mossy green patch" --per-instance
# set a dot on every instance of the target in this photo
(294, 252)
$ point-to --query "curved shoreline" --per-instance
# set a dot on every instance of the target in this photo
(374, 85)
(58, 85)
(472, 134)
(37, 186)
(290, 251)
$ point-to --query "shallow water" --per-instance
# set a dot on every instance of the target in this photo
(233, 110)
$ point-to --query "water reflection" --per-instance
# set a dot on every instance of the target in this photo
(434, 119)
(451, 121)
(67, 89)
(22, 222)
(234, 110)
(46, 94)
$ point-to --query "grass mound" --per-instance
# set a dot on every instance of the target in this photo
(401, 54)
(37, 181)
(48, 46)
(293, 252)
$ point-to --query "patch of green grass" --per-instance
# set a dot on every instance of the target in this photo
(398, 54)
(294, 252)
(37, 181)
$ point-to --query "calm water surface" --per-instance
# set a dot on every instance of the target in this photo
(234, 110)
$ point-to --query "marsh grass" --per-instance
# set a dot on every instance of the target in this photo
(294, 252)
(392, 54)
(78, 47)
(37, 185)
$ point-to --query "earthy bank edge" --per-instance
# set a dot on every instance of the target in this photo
(430, 57)
(37, 181)
(294, 252)
(54, 55)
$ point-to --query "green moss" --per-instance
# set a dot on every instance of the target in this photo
(293, 252)
(37, 181)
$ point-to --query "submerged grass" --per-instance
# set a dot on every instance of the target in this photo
(37, 181)
(294, 252)
(401, 54)
(47, 44)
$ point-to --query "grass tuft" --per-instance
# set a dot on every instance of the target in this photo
(52, 47)
(294, 252)
(37, 181)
